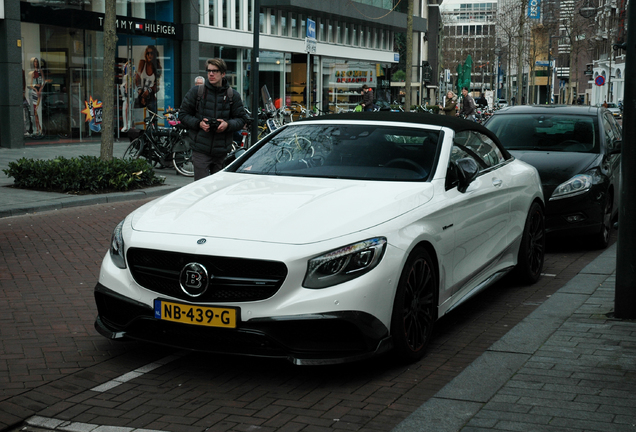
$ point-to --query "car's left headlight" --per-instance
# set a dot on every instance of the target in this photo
(343, 264)
(577, 185)
(117, 246)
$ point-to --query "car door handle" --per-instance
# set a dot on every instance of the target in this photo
(497, 182)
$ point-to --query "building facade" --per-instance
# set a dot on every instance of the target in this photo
(54, 57)
(469, 28)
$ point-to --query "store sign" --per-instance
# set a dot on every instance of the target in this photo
(127, 25)
(93, 112)
(353, 76)
(85, 20)
(534, 9)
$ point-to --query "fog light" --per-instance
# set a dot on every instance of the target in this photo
(575, 218)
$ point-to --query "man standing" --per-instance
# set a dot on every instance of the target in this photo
(211, 112)
(468, 106)
(367, 98)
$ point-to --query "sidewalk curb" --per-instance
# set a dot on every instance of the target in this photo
(70, 201)
(460, 400)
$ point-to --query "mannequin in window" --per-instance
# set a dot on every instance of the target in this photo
(126, 81)
(147, 79)
(36, 77)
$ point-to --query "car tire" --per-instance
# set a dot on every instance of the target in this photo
(532, 249)
(601, 239)
(415, 307)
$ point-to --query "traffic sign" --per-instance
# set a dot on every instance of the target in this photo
(311, 29)
(310, 45)
(600, 80)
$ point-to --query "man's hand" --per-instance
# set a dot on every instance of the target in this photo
(203, 124)
(222, 125)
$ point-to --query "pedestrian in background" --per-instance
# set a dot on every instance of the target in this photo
(449, 104)
(211, 118)
(467, 110)
(367, 98)
(199, 80)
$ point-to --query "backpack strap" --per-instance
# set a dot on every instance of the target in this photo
(202, 95)
(229, 94)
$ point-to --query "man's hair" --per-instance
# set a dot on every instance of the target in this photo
(465, 88)
(199, 80)
(364, 87)
(219, 63)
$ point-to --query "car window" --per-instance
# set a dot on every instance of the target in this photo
(611, 130)
(364, 152)
(476, 146)
(545, 132)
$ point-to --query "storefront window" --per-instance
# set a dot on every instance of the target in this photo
(342, 83)
(64, 81)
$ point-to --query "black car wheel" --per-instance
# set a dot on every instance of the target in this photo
(602, 238)
(415, 307)
(532, 249)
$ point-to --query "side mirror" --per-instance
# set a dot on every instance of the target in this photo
(467, 171)
(616, 148)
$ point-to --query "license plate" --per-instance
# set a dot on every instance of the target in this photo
(195, 315)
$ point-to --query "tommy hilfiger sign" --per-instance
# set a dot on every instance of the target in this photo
(36, 13)
(154, 28)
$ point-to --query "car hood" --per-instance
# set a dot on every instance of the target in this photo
(290, 210)
(557, 167)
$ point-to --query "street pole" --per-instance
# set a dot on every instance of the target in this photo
(254, 82)
(625, 296)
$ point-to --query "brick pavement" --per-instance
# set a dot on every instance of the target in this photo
(51, 357)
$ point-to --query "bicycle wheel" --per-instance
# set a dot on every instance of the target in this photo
(304, 146)
(283, 155)
(133, 151)
(182, 161)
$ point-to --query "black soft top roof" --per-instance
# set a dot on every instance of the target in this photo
(452, 122)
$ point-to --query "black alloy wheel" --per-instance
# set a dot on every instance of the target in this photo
(415, 307)
(601, 239)
(532, 248)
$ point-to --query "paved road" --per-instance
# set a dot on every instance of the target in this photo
(54, 365)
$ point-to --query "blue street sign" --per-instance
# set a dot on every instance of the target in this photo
(311, 29)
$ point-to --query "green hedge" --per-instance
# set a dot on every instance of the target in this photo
(84, 174)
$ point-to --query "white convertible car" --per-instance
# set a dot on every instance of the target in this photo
(331, 240)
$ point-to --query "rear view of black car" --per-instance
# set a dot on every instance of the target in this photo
(576, 150)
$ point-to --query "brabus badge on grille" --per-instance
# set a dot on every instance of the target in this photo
(194, 279)
(201, 241)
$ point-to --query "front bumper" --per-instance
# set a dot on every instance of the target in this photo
(325, 338)
(579, 215)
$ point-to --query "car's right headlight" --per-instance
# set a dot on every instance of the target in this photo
(117, 246)
(345, 263)
(577, 185)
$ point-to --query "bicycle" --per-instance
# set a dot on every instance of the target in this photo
(298, 147)
(163, 146)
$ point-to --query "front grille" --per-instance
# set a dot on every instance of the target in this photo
(231, 279)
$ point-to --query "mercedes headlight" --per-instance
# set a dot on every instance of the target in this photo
(117, 246)
(344, 264)
(577, 185)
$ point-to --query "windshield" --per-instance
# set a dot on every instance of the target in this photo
(369, 152)
(561, 133)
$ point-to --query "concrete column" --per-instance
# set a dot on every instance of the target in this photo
(12, 124)
(189, 49)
